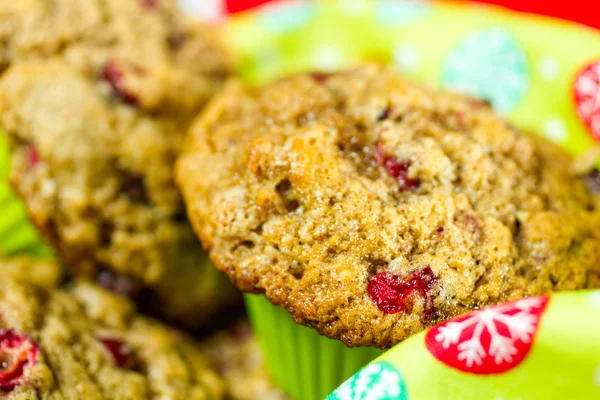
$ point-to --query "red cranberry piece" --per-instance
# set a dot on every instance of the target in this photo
(393, 294)
(17, 353)
(113, 74)
(33, 157)
(385, 114)
(149, 4)
(133, 185)
(119, 351)
(320, 77)
(472, 223)
(593, 181)
(177, 40)
(479, 103)
(396, 169)
(118, 284)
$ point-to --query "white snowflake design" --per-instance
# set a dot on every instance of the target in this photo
(521, 326)
(587, 87)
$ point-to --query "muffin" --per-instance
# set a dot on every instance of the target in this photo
(371, 208)
(42, 273)
(235, 355)
(95, 103)
(82, 342)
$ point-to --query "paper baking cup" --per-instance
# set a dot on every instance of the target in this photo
(17, 235)
(303, 363)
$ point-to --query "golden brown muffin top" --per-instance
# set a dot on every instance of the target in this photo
(96, 102)
(370, 207)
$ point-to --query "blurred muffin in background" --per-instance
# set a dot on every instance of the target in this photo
(95, 100)
(80, 341)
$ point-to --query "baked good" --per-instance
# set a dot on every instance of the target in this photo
(370, 207)
(236, 356)
(83, 342)
(40, 272)
(95, 104)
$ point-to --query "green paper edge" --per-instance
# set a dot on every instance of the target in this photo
(303, 363)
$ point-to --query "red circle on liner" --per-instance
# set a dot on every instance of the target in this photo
(490, 341)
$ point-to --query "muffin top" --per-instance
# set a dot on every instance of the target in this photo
(82, 342)
(147, 53)
(370, 207)
(95, 103)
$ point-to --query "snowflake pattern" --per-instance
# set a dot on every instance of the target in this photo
(377, 381)
(490, 341)
(587, 97)
(489, 64)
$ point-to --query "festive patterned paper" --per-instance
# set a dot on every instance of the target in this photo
(536, 348)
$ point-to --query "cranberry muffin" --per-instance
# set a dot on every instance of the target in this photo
(371, 208)
(237, 358)
(43, 273)
(95, 102)
(83, 342)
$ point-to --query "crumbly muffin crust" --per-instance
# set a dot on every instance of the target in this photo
(236, 356)
(82, 342)
(96, 106)
(40, 272)
(371, 208)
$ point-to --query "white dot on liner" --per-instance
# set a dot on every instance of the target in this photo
(204, 9)
(597, 376)
(407, 57)
(555, 129)
(549, 68)
(353, 6)
(327, 58)
(595, 299)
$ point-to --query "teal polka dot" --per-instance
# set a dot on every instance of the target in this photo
(394, 12)
(489, 64)
(377, 381)
(287, 16)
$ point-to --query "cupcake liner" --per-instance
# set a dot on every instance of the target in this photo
(303, 363)
(17, 235)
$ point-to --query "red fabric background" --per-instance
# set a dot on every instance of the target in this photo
(584, 11)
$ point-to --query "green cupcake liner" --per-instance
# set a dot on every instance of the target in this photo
(303, 363)
(17, 235)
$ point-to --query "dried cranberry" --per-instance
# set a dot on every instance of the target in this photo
(320, 77)
(119, 351)
(33, 157)
(593, 181)
(177, 40)
(396, 169)
(385, 114)
(470, 222)
(149, 4)
(135, 188)
(17, 353)
(113, 74)
(118, 284)
(393, 294)
(479, 103)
